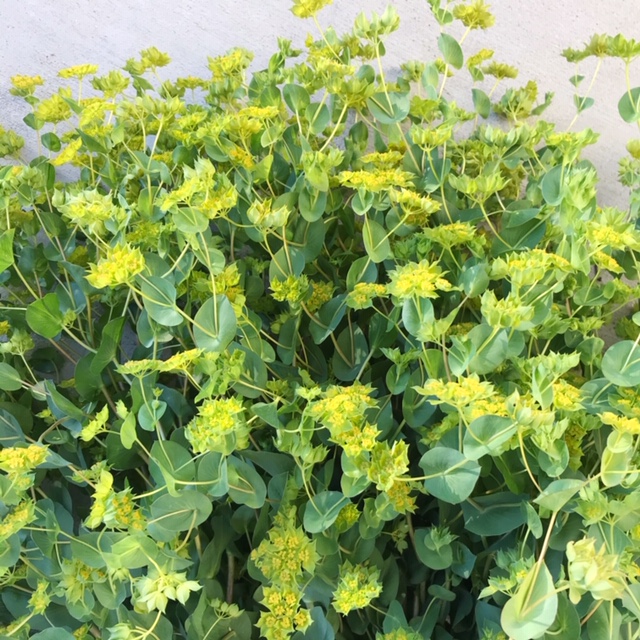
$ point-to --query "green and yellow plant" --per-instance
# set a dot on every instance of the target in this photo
(317, 354)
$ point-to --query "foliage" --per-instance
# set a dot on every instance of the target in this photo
(317, 354)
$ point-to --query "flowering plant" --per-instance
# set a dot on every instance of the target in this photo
(318, 353)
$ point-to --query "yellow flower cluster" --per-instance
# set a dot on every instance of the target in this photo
(308, 8)
(508, 312)
(454, 234)
(494, 405)
(475, 15)
(387, 464)
(358, 585)
(341, 408)
(79, 71)
(458, 394)
(528, 267)
(593, 571)
(620, 423)
(604, 235)
(284, 615)
(321, 293)
(383, 159)
(347, 517)
(627, 400)
(375, 181)
(292, 290)
(53, 109)
(153, 591)
(286, 553)
(120, 266)
(181, 361)
(90, 209)
(431, 137)
(400, 498)
(363, 293)
(566, 397)
(417, 209)
(68, 154)
(115, 510)
(40, 599)
(233, 64)
(25, 85)
(23, 514)
(417, 279)
(95, 426)
(263, 215)
(358, 439)
(19, 460)
(219, 426)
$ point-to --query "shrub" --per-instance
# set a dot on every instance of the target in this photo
(317, 355)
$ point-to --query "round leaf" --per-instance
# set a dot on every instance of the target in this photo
(621, 364)
(450, 476)
(321, 512)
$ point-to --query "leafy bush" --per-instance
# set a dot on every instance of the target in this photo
(318, 355)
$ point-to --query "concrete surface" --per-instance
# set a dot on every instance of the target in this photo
(43, 36)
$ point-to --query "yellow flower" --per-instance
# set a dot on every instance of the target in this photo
(53, 109)
(17, 460)
(68, 154)
(342, 407)
(219, 426)
(458, 394)
(95, 426)
(22, 515)
(363, 293)
(308, 8)
(321, 293)
(422, 280)
(25, 85)
(79, 71)
(120, 266)
(375, 181)
(566, 397)
(475, 15)
(620, 423)
(181, 361)
(357, 587)
(90, 209)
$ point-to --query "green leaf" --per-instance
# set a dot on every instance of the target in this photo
(296, 97)
(287, 261)
(215, 324)
(318, 116)
(481, 102)
(583, 102)
(6, 249)
(322, 510)
(486, 435)
(551, 185)
(53, 633)
(10, 379)
(159, 299)
(109, 344)
(451, 50)
(246, 486)
(494, 514)
(450, 476)
(558, 493)
(376, 241)
(621, 364)
(327, 319)
(629, 105)
(181, 512)
(389, 108)
(51, 141)
(128, 431)
(532, 610)
(44, 316)
(190, 220)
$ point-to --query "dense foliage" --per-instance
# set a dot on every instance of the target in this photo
(317, 354)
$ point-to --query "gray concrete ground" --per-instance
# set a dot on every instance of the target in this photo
(43, 36)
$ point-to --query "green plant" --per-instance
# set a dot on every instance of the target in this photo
(298, 357)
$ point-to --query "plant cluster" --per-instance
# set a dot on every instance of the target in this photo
(317, 354)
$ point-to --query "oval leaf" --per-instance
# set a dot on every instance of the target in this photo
(450, 476)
